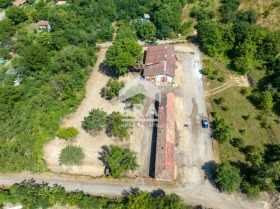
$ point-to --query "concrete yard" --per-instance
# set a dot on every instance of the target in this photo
(194, 145)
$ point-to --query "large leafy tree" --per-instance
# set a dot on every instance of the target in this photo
(119, 160)
(71, 155)
(227, 177)
(118, 125)
(147, 31)
(95, 122)
(122, 55)
(16, 14)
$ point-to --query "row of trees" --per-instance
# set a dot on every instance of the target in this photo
(116, 124)
(34, 195)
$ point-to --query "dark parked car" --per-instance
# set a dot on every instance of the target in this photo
(205, 123)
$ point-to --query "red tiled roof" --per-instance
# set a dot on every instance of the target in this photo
(43, 23)
(160, 60)
(165, 163)
(19, 2)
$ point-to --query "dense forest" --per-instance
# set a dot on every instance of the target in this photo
(33, 195)
(52, 66)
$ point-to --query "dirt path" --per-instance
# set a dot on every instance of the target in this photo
(232, 81)
(92, 165)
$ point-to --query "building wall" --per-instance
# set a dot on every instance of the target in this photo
(158, 78)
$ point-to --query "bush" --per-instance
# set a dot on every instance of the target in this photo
(113, 88)
(245, 91)
(71, 155)
(207, 71)
(222, 130)
(68, 133)
(237, 142)
(219, 100)
(95, 122)
(265, 125)
(246, 117)
(221, 79)
(251, 190)
(242, 131)
(214, 114)
(225, 108)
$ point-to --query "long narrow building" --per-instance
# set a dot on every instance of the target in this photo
(165, 161)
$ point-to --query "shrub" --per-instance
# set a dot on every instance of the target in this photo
(216, 72)
(71, 155)
(251, 190)
(245, 91)
(207, 71)
(246, 117)
(214, 114)
(95, 122)
(113, 88)
(237, 142)
(265, 124)
(221, 79)
(222, 130)
(68, 133)
(219, 100)
(242, 131)
(225, 108)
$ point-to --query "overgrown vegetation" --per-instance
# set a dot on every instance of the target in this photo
(53, 66)
(34, 195)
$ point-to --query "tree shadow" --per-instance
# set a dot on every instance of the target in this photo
(209, 170)
(107, 71)
(102, 156)
(158, 193)
(131, 190)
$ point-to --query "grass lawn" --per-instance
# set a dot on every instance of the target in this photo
(218, 71)
(238, 106)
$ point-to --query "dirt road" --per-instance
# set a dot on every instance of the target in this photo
(193, 194)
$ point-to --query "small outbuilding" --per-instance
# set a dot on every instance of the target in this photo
(2, 15)
(44, 25)
(61, 3)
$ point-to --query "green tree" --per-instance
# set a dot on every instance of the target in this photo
(222, 130)
(265, 101)
(254, 155)
(71, 155)
(67, 133)
(113, 88)
(119, 160)
(147, 31)
(95, 122)
(5, 3)
(119, 125)
(125, 32)
(16, 14)
(34, 57)
(123, 54)
(227, 177)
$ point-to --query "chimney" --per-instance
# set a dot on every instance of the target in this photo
(164, 65)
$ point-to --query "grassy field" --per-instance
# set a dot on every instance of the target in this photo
(238, 107)
(268, 11)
